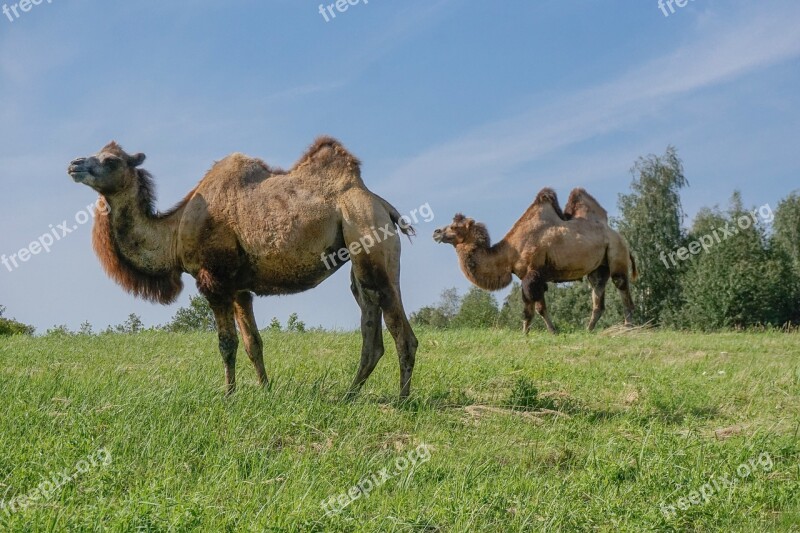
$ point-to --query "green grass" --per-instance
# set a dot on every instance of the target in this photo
(572, 433)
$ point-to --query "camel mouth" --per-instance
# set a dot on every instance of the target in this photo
(438, 236)
(77, 175)
(78, 171)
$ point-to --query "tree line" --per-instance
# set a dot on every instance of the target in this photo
(197, 317)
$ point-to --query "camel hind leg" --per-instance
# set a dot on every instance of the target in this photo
(379, 290)
(598, 280)
(404, 338)
(623, 286)
(371, 332)
(376, 275)
(620, 263)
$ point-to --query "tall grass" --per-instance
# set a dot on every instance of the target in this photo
(575, 432)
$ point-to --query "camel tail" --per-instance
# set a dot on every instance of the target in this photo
(398, 220)
(635, 273)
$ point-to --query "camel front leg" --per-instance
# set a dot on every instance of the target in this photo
(228, 341)
(527, 316)
(533, 288)
(246, 320)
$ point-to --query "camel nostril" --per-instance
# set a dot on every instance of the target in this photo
(79, 161)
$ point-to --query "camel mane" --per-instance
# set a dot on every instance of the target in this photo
(163, 287)
(146, 195)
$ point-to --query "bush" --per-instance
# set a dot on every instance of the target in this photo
(197, 317)
(478, 310)
(10, 326)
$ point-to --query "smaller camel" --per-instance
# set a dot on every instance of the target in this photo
(547, 245)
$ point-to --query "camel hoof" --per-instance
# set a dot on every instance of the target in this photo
(350, 395)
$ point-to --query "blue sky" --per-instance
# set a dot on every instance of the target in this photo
(463, 105)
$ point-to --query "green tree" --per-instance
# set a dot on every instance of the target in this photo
(86, 329)
(739, 281)
(275, 324)
(651, 219)
(786, 228)
(197, 317)
(9, 326)
(132, 324)
(511, 312)
(61, 330)
(786, 242)
(295, 324)
(478, 310)
(440, 315)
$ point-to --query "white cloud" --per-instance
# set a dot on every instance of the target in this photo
(726, 48)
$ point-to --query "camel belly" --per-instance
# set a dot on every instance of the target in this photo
(275, 275)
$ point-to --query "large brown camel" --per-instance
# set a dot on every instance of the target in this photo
(547, 245)
(250, 228)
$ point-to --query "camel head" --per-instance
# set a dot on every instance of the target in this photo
(463, 230)
(109, 171)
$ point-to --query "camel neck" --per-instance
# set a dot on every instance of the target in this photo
(488, 267)
(145, 240)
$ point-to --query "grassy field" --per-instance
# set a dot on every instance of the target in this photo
(572, 433)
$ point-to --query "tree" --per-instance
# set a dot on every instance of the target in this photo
(478, 310)
(738, 281)
(786, 228)
(295, 324)
(197, 317)
(61, 330)
(511, 312)
(440, 315)
(132, 324)
(786, 242)
(9, 326)
(651, 219)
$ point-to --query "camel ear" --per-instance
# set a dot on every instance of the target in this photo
(468, 223)
(137, 159)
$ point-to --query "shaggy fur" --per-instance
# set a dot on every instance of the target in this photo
(162, 288)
